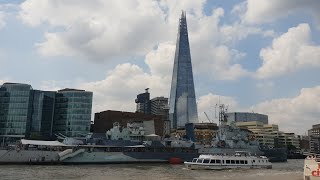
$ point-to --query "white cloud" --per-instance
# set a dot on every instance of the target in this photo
(2, 81)
(54, 46)
(261, 11)
(295, 114)
(97, 29)
(290, 52)
(2, 20)
(219, 60)
(6, 10)
(112, 30)
(121, 85)
(53, 85)
(160, 60)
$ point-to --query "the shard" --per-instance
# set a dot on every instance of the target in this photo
(183, 107)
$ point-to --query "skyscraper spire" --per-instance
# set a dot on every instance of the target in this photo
(183, 107)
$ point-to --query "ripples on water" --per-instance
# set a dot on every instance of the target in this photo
(292, 170)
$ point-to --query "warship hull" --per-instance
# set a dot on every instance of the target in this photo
(86, 157)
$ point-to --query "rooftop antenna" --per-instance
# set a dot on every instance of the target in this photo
(215, 111)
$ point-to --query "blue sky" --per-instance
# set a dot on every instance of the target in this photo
(255, 55)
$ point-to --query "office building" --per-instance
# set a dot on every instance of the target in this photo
(36, 114)
(182, 104)
(269, 134)
(201, 133)
(264, 133)
(143, 102)
(159, 106)
(246, 117)
(15, 111)
(314, 138)
(42, 114)
(73, 112)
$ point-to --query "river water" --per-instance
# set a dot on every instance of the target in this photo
(292, 170)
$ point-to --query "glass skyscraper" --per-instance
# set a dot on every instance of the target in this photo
(15, 111)
(42, 113)
(73, 112)
(183, 107)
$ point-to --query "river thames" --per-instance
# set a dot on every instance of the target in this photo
(292, 170)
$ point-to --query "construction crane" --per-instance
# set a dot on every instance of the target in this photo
(207, 117)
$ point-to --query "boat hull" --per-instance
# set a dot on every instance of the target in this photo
(196, 166)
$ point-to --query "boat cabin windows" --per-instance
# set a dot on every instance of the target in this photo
(206, 160)
(194, 160)
(218, 161)
(199, 160)
(243, 162)
(233, 161)
(212, 161)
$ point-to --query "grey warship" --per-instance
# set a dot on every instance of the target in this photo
(116, 146)
(231, 138)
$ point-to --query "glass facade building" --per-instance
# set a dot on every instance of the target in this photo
(15, 111)
(35, 114)
(42, 113)
(73, 112)
(183, 107)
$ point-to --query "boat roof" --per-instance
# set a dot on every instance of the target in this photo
(42, 143)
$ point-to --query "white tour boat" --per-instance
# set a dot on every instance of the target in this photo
(238, 160)
(312, 167)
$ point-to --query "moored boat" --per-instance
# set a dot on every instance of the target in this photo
(221, 161)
